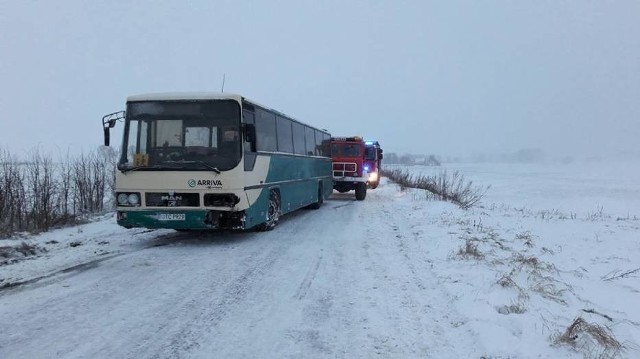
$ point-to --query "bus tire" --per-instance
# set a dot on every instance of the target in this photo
(361, 191)
(273, 212)
(320, 201)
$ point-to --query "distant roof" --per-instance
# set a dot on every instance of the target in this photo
(168, 96)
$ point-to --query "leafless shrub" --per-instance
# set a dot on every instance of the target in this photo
(589, 336)
(627, 218)
(11, 254)
(597, 215)
(547, 289)
(525, 260)
(6, 251)
(403, 178)
(533, 263)
(65, 185)
(593, 311)
(89, 174)
(507, 282)
(454, 188)
(110, 159)
(513, 308)
(617, 274)
(13, 196)
(547, 250)
(470, 250)
(27, 249)
(42, 191)
(552, 214)
(39, 194)
(526, 238)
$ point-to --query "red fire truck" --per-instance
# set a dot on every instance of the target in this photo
(355, 164)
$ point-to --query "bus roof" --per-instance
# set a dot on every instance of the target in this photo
(176, 96)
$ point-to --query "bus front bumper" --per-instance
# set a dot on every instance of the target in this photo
(181, 219)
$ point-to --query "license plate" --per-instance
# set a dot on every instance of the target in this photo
(171, 217)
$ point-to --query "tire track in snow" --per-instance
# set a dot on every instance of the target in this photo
(416, 304)
(75, 269)
(205, 318)
(308, 279)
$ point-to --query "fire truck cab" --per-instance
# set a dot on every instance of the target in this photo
(352, 168)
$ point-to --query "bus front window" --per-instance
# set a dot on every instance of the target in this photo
(182, 134)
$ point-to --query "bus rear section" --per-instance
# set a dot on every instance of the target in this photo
(349, 172)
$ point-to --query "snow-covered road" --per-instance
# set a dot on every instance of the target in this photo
(384, 277)
(343, 281)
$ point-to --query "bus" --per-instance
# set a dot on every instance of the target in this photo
(215, 161)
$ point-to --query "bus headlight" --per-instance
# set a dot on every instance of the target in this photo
(122, 199)
(134, 199)
(128, 199)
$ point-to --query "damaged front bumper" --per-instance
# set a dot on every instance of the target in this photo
(181, 219)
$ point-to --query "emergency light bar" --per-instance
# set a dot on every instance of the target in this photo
(354, 138)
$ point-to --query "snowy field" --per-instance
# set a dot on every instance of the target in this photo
(546, 267)
(580, 188)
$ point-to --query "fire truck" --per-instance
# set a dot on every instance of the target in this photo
(372, 162)
(355, 165)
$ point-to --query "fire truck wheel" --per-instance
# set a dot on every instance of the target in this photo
(273, 212)
(361, 191)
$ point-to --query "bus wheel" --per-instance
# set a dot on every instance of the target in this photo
(361, 191)
(273, 212)
(320, 198)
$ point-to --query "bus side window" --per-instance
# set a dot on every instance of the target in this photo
(285, 135)
(249, 117)
(318, 148)
(310, 139)
(249, 148)
(298, 138)
(266, 131)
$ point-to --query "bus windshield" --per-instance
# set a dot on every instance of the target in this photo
(191, 135)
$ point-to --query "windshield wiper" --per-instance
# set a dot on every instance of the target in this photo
(214, 169)
(135, 168)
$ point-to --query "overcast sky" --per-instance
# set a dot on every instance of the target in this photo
(442, 77)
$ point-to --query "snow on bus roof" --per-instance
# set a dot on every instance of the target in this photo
(169, 96)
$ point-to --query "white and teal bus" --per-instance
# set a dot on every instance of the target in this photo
(215, 161)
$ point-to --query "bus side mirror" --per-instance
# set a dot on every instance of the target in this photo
(109, 121)
(106, 136)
